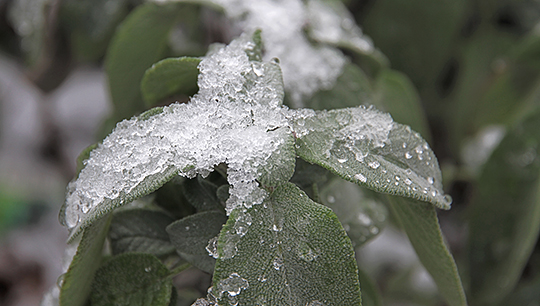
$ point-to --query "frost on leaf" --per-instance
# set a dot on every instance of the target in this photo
(367, 147)
(307, 68)
(234, 119)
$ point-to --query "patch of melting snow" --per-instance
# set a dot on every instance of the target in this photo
(307, 68)
(229, 121)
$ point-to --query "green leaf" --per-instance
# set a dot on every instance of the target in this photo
(170, 77)
(201, 194)
(310, 178)
(477, 73)
(365, 146)
(371, 296)
(287, 251)
(171, 198)
(90, 25)
(352, 88)
(361, 216)
(77, 281)
(419, 220)
(417, 36)
(396, 94)
(514, 92)
(140, 230)
(505, 214)
(280, 166)
(191, 235)
(139, 42)
(145, 152)
(526, 294)
(132, 280)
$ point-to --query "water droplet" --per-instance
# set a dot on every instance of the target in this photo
(60, 281)
(277, 228)
(374, 230)
(278, 262)
(211, 248)
(431, 180)
(374, 164)
(342, 160)
(84, 208)
(331, 199)
(148, 269)
(408, 155)
(419, 150)
(306, 253)
(187, 228)
(233, 285)
(262, 278)
(364, 219)
(408, 181)
(404, 145)
(360, 177)
(447, 199)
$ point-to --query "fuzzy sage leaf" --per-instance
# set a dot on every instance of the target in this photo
(367, 147)
(292, 251)
(132, 279)
(419, 220)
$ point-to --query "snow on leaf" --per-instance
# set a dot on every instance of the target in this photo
(234, 119)
(237, 118)
(365, 146)
(307, 68)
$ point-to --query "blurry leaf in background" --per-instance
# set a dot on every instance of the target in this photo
(405, 287)
(352, 88)
(140, 230)
(294, 252)
(516, 91)
(417, 36)
(484, 80)
(29, 20)
(90, 24)
(505, 214)
(132, 279)
(395, 93)
(77, 281)
(420, 222)
(36, 23)
(140, 41)
(526, 294)
(12, 210)
(362, 217)
(371, 296)
(170, 77)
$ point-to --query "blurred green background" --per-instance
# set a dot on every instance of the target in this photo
(473, 67)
